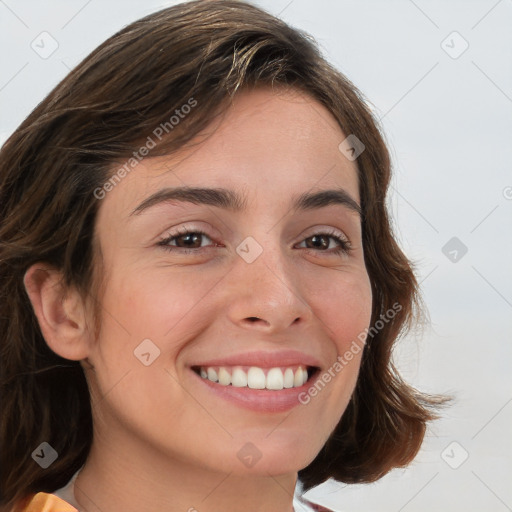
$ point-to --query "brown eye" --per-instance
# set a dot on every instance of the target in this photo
(318, 242)
(185, 240)
(321, 242)
(188, 241)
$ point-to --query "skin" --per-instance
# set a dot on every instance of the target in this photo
(161, 440)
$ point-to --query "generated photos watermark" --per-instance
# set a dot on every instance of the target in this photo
(157, 134)
(343, 360)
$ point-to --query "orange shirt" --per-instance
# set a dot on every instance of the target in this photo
(43, 502)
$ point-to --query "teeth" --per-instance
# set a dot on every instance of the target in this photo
(275, 379)
(288, 378)
(212, 375)
(255, 378)
(224, 377)
(239, 378)
(298, 379)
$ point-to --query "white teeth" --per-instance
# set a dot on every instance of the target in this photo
(239, 378)
(298, 379)
(288, 378)
(224, 377)
(212, 375)
(255, 377)
(275, 379)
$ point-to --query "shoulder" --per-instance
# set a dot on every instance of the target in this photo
(44, 502)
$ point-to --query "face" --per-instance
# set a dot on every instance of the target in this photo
(265, 290)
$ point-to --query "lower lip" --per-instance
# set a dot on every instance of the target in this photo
(260, 400)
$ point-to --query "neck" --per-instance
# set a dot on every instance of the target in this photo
(140, 480)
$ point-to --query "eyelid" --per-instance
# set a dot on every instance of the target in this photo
(187, 228)
(324, 229)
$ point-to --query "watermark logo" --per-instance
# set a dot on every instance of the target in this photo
(351, 147)
(454, 455)
(249, 455)
(249, 250)
(146, 352)
(454, 249)
(342, 361)
(45, 455)
(45, 45)
(454, 45)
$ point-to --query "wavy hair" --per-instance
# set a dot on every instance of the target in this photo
(51, 166)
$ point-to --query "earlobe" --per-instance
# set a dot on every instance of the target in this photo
(60, 311)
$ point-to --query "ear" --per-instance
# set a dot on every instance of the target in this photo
(60, 311)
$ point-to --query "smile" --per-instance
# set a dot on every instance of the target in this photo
(254, 377)
(261, 381)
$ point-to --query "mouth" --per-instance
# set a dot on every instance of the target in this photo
(273, 379)
(261, 381)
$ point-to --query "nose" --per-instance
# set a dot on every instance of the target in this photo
(266, 295)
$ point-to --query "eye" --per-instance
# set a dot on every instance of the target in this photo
(321, 241)
(186, 241)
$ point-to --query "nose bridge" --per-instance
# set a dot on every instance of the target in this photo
(263, 285)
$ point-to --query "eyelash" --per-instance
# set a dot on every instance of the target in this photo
(344, 246)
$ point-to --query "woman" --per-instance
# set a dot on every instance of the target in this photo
(201, 288)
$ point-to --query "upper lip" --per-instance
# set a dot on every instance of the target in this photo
(263, 359)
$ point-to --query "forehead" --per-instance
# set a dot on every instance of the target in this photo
(268, 145)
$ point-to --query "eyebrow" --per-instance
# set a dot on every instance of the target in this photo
(233, 201)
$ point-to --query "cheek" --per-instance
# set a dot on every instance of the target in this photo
(139, 306)
(155, 304)
(146, 321)
(344, 307)
(343, 303)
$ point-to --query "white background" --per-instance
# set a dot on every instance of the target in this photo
(448, 122)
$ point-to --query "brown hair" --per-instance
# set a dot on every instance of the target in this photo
(66, 148)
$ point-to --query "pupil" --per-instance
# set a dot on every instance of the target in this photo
(191, 237)
(322, 242)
